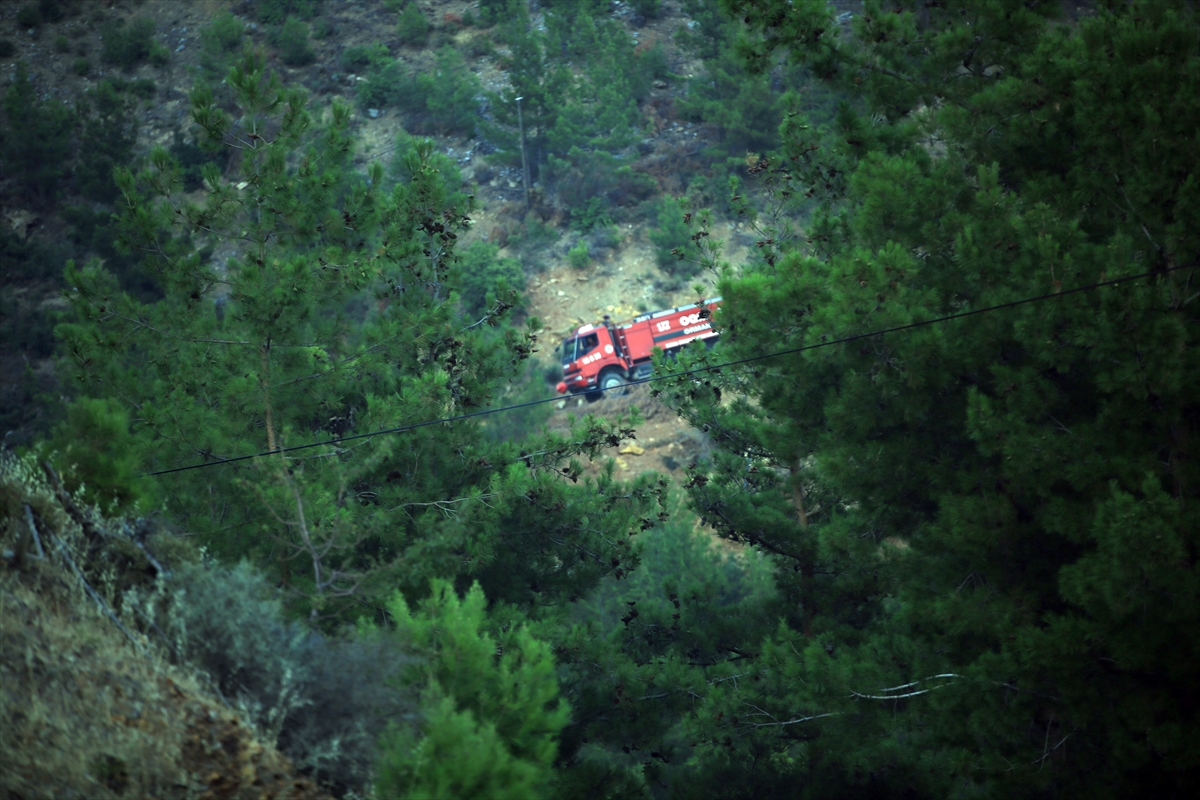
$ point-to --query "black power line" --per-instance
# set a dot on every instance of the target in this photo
(653, 378)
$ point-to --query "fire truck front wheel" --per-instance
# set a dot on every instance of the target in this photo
(611, 380)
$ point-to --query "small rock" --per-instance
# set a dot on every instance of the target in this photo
(632, 450)
(373, 113)
(179, 49)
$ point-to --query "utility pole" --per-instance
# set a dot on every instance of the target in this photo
(524, 160)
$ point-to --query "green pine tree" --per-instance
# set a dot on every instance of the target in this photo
(490, 713)
(985, 529)
(336, 314)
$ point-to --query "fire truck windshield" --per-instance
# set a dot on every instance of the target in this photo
(578, 347)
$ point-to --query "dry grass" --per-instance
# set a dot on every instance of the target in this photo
(89, 712)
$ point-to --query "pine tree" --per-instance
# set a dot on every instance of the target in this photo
(986, 529)
(334, 315)
(490, 711)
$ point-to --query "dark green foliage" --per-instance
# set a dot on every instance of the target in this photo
(674, 248)
(487, 278)
(411, 154)
(980, 525)
(192, 161)
(649, 9)
(348, 287)
(29, 16)
(7, 48)
(492, 11)
(32, 259)
(109, 132)
(644, 648)
(361, 56)
(594, 183)
(591, 215)
(739, 103)
(450, 94)
(36, 138)
(81, 66)
(57, 10)
(388, 85)
(95, 440)
(127, 45)
(577, 256)
(412, 27)
(61, 44)
(323, 28)
(442, 101)
(94, 233)
(273, 12)
(220, 40)
(22, 327)
(291, 39)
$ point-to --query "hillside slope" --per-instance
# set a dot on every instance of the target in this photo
(89, 708)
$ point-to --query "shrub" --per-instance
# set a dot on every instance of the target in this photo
(126, 46)
(491, 11)
(602, 239)
(323, 28)
(81, 66)
(97, 441)
(7, 48)
(592, 214)
(272, 12)
(577, 256)
(291, 39)
(439, 102)
(219, 40)
(361, 56)
(648, 9)
(61, 44)
(159, 54)
(55, 10)
(412, 27)
(485, 277)
(222, 34)
(387, 85)
(29, 16)
(324, 701)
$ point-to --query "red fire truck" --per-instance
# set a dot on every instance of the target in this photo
(605, 356)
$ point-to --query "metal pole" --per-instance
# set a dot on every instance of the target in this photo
(524, 160)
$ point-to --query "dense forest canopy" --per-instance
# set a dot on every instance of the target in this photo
(959, 559)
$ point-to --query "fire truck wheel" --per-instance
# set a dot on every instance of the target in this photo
(611, 381)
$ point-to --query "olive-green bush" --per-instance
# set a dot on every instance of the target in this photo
(127, 45)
